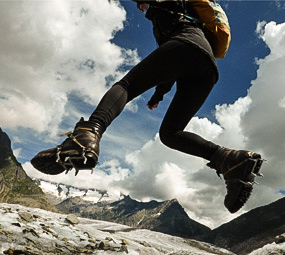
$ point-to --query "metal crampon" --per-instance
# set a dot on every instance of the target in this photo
(256, 165)
(70, 161)
(254, 172)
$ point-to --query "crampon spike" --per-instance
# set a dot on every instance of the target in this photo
(58, 149)
(70, 162)
(247, 184)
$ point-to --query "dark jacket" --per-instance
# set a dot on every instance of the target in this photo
(170, 26)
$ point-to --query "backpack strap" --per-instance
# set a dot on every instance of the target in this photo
(182, 14)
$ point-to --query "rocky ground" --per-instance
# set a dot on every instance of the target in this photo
(32, 231)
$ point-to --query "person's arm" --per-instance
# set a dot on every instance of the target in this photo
(160, 90)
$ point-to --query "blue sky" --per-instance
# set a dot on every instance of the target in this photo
(46, 86)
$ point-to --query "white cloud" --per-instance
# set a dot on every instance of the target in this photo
(260, 28)
(17, 152)
(16, 139)
(205, 127)
(50, 49)
(264, 123)
(273, 36)
(266, 116)
(229, 117)
(281, 102)
(103, 177)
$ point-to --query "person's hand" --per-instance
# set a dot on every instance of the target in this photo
(151, 107)
(142, 7)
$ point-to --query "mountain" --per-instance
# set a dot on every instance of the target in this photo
(15, 186)
(241, 235)
(166, 217)
(58, 192)
(251, 230)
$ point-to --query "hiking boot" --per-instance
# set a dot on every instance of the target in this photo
(80, 151)
(239, 168)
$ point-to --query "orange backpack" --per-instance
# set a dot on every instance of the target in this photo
(215, 23)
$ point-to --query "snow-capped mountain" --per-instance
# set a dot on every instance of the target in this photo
(57, 192)
(242, 235)
(167, 217)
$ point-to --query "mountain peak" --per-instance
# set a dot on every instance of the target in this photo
(15, 186)
(6, 152)
(252, 229)
(167, 217)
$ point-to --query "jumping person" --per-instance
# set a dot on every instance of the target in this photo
(184, 56)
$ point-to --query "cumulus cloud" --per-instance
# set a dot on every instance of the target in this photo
(260, 28)
(51, 49)
(102, 178)
(264, 124)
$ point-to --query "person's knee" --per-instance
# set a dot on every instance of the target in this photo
(126, 86)
(165, 137)
(121, 85)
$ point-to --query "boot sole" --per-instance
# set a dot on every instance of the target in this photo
(46, 163)
(49, 163)
(244, 186)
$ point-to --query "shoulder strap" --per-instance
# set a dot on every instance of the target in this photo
(183, 14)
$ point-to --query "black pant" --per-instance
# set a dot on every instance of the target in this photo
(195, 76)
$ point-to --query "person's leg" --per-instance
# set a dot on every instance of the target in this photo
(81, 148)
(191, 93)
(183, 107)
(167, 63)
(238, 167)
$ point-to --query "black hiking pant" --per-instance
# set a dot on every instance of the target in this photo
(195, 76)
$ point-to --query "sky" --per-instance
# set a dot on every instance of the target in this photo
(58, 58)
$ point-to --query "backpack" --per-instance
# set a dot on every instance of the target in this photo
(215, 24)
(209, 15)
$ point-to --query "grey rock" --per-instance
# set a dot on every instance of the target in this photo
(26, 216)
(47, 230)
(124, 248)
(89, 235)
(16, 224)
(71, 218)
(280, 238)
(124, 242)
(32, 231)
